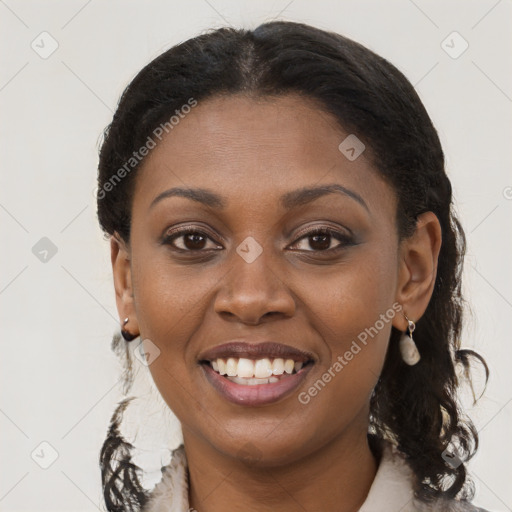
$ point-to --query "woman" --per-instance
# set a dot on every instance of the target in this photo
(283, 243)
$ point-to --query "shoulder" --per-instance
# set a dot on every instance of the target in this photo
(171, 493)
(392, 488)
(450, 506)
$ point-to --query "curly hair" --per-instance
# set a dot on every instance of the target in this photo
(416, 407)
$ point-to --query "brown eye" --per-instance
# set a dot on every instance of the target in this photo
(321, 239)
(189, 240)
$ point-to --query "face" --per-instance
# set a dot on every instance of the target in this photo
(257, 258)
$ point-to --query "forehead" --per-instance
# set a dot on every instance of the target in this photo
(261, 148)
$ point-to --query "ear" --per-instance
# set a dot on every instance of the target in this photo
(120, 257)
(417, 269)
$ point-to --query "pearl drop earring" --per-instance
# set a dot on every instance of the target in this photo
(408, 348)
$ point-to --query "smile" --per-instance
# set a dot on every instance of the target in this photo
(247, 372)
(255, 373)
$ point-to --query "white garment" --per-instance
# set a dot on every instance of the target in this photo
(391, 490)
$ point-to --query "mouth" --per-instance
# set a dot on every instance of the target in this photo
(249, 374)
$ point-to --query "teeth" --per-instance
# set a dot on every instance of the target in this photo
(278, 367)
(231, 367)
(260, 371)
(253, 382)
(222, 366)
(245, 368)
(262, 368)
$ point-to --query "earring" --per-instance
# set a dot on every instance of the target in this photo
(408, 348)
(126, 335)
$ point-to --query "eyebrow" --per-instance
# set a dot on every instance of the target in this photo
(289, 200)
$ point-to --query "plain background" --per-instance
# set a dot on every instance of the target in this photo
(58, 376)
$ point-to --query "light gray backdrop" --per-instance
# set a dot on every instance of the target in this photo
(63, 67)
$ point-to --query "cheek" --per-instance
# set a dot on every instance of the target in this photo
(353, 296)
(169, 298)
(170, 304)
(352, 309)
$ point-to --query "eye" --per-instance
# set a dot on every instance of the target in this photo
(189, 240)
(320, 239)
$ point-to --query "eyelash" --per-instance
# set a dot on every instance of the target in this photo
(345, 240)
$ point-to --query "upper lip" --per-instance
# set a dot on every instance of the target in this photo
(252, 350)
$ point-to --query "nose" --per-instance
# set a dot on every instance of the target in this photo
(252, 292)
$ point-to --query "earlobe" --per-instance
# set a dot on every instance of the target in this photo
(121, 269)
(418, 268)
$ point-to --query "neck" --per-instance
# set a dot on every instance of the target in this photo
(336, 477)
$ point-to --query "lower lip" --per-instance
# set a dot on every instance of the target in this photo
(259, 394)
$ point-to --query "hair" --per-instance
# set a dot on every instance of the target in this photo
(418, 407)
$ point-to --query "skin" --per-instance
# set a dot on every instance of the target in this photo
(287, 455)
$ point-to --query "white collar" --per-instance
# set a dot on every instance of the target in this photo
(391, 490)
